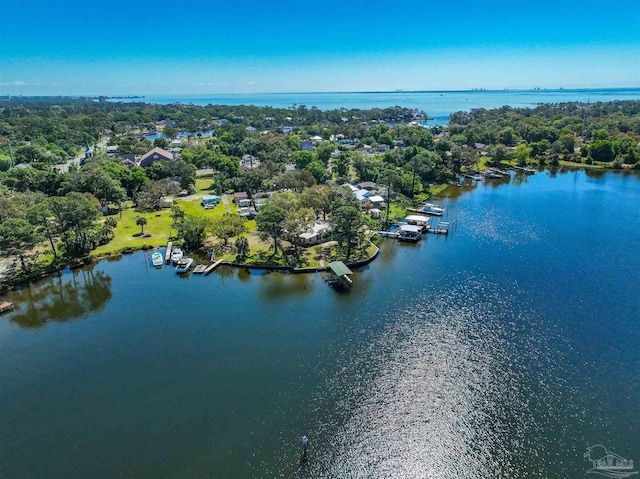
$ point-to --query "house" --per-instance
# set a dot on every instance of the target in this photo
(376, 200)
(287, 129)
(244, 203)
(240, 195)
(382, 148)
(306, 145)
(251, 129)
(177, 143)
(318, 232)
(367, 185)
(249, 161)
(362, 196)
(349, 186)
(157, 154)
(129, 160)
(290, 167)
(316, 139)
(335, 154)
(367, 149)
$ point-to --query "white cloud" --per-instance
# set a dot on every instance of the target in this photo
(14, 83)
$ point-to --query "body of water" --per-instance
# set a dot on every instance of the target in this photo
(501, 351)
(438, 105)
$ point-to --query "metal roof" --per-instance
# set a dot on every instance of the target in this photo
(339, 268)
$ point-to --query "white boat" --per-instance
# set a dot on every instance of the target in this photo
(432, 209)
(184, 264)
(176, 255)
(157, 259)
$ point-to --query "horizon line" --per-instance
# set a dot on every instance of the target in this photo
(400, 91)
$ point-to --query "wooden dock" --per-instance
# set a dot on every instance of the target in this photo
(431, 213)
(442, 228)
(199, 269)
(167, 254)
(212, 266)
(387, 234)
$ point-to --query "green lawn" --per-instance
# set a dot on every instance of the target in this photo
(204, 186)
(157, 231)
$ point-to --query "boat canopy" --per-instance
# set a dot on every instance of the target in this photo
(339, 268)
(418, 218)
(411, 228)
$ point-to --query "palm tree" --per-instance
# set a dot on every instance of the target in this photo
(141, 221)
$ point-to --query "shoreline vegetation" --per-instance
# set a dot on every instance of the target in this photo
(80, 182)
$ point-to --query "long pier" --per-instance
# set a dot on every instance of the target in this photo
(167, 254)
(431, 213)
(213, 266)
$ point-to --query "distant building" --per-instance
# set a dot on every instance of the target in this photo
(240, 195)
(129, 160)
(306, 145)
(88, 152)
(251, 129)
(367, 185)
(157, 154)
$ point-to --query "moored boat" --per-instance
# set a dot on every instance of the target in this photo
(176, 255)
(157, 259)
(6, 306)
(184, 264)
(431, 209)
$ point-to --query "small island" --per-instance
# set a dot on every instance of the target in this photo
(294, 188)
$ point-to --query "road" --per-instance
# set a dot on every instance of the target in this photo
(64, 167)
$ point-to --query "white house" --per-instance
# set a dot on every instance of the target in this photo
(317, 233)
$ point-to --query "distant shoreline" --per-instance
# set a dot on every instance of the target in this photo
(357, 92)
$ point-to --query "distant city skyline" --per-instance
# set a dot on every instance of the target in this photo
(162, 48)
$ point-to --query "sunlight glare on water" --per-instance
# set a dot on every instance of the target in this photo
(439, 396)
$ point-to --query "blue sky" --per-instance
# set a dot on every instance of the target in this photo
(118, 47)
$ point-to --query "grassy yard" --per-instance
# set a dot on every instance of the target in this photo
(157, 231)
(204, 186)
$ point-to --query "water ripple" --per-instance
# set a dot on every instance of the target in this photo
(442, 392)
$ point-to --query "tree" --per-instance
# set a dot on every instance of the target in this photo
(602, 150)
(17, 236)
(192, 231)
(93, 179)
(347, 223)
(304, 158)
(522, 153)
(270, 224)
(318, 171)
(177, 214)
(40, 216)
(148, 198)
(298, 221)
(227, 226)
(242, 247)
(161, 142)
(141, 221)
(75, 214)
(318, 198)
(391, 179)
(341, 165)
